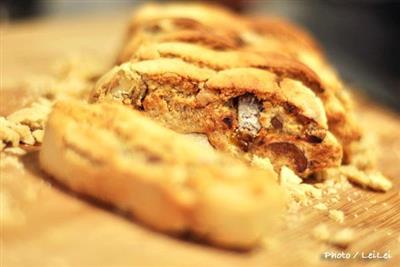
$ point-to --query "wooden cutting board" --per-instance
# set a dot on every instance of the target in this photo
(62, 229)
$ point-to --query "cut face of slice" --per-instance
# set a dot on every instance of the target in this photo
(241, 110)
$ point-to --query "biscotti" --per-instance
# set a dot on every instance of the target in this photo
(115, 154)
(241, 110)
(220, 30)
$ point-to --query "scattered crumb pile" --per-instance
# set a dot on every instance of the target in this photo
(372, 179)
(341, 238)
(324, 191)
(337, 215)
(73, 77)
(25, 126)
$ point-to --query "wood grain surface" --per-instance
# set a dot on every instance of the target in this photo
(62, 229)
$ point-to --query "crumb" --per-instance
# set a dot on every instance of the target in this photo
(319, 185)
(334, 200)
(331, 191)
(12, 133)
(312, 191)
(320, 206)
(342, 238)
(297, 190)
(16, 151)
(373, 201)
(38, 135)
(25, 125)
(374, 179)
(262, 163)
(287, 176)
(33, 116)
(336, 215)
(329, 183)
(321, 232)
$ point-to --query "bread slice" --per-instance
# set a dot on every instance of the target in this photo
(286, 119)
(115, 154)
(220, 30)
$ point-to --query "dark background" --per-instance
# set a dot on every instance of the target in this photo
(361, 38)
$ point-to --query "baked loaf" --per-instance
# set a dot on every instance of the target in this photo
(245, 111)
(288, 51)
(169, 182)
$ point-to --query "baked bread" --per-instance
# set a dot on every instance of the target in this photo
(218, 29)
(115, 154)
(243, 110)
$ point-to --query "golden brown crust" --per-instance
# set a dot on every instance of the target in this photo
(211, 15)
(219, 60)
(282, 29)
(116, 155)
(177, 29)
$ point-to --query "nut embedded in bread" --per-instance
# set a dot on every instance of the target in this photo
(172, 184)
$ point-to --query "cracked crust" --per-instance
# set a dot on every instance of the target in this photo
(174, 30)
(275, 27)
(190, 99)
(169, 182)
(219, 60)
